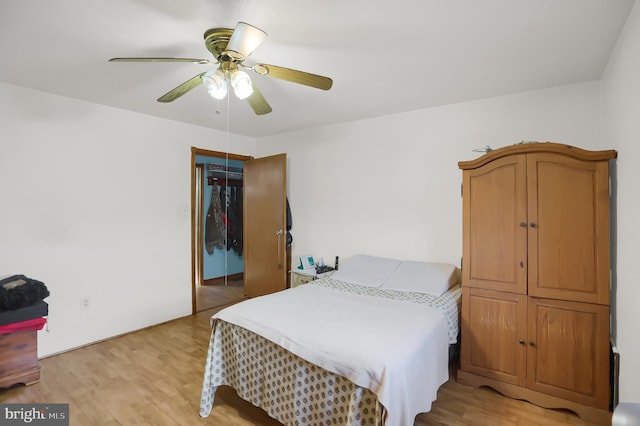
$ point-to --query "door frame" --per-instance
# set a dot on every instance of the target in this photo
(196, 243)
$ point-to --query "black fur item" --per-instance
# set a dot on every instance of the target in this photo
(19, 291)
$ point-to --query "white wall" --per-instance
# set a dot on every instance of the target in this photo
(391, 186)
(621, 89)
(95, 202)
(81, 210)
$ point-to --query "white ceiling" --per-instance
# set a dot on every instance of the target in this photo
(385, 57)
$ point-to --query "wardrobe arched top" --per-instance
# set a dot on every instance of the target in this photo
(539, 147)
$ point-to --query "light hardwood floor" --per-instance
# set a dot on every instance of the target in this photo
(154, 377)
(211, 296)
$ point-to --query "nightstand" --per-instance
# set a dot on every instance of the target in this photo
(298, 277)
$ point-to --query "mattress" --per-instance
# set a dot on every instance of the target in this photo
(390, 345)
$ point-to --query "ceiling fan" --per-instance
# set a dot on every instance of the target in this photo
(230, 48)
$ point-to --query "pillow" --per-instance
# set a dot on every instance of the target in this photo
(362, 269)
(422, 277)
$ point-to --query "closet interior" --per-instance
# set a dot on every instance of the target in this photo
(219, 246)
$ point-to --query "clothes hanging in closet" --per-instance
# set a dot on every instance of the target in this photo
(222, 194)
(235, 215)
(214, 228)
(223, 228)
(232, 215)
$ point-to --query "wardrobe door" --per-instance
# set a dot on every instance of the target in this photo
(568, 215)
(568, 350)
(494, 225)
(494, 331)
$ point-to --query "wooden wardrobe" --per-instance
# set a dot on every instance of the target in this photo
(536, 274)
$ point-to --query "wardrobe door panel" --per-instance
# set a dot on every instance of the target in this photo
(493, 334)
(568, 218)
(568, 350)
(494, 226)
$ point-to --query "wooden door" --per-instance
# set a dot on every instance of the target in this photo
(264, 218)
(568, 240)
(494, 327)
(568, 350)
(494, 240)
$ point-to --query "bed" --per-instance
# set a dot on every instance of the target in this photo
(368, 345)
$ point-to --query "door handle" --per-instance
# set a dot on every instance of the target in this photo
(279, 234)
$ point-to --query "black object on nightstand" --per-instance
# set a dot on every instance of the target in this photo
(321, 269)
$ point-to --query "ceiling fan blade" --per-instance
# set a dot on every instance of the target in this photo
(295, 76)
(258, 102)
(174, 94)
(193, 60)
(244, 40)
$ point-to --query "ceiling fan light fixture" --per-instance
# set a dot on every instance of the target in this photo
(215, 83)
(244, 40)
(241, 83)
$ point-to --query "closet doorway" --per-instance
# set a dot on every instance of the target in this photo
(216, 231)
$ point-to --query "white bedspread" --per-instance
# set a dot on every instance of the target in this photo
(398, 349)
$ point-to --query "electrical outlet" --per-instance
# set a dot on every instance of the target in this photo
(84, 304)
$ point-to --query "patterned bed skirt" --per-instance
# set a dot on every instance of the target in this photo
(290, 389)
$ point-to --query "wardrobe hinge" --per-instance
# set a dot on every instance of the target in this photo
(610, 279)
(461, 190)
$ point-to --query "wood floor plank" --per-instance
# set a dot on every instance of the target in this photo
(154, 377)
(212, 296)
